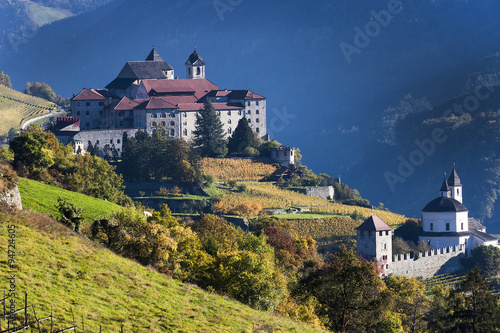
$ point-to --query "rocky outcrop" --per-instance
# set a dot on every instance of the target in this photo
(11, 198)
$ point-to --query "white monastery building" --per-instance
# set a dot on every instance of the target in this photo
(146, 95)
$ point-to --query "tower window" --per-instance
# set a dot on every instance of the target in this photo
(447, 226)
(257, 103)
(249, 112)
(432, 226)
(257, 130)
(229, 121)
(257, 120)
(185, 132)
(256, 111)
(172, 132)
(462, 226)
(197, 70)
(189, 70)
(458, 191)
(172, 123)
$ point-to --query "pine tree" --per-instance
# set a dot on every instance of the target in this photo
(242, 137)
(209, 133)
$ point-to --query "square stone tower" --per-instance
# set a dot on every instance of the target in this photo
(374, 241)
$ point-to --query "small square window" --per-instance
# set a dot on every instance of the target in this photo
(87, 103)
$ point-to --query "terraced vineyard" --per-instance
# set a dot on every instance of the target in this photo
(443, 280)
(235, 169)
(16, 108)
(271, 196)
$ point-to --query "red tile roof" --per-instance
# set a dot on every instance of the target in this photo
(92, 95)
(155, 103)
(199, 87)
(127, 104)
(374, 223)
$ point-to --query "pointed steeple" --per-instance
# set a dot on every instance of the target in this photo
(445, 190)
(454, 180)
(455, 185)
(154, 55)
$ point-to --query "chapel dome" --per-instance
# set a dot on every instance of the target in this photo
(444, 205)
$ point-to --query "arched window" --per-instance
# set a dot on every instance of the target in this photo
(256, 111)
(229, 130)
(257, 130)
(163, 123)
(154, 124)
(228, 113)
(257, 120)
(185, 132)
(172, 123)
(197, 70)
(229, 121)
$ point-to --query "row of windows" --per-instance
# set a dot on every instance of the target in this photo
(163, 115)
(447, 226)
(162, 123)
(88, 104)
(370, 233)
(256, 120)
(240, 112)
(256, 103)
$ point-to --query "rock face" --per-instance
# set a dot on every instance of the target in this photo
(11, 198)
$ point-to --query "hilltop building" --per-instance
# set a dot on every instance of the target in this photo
(446, 228)
(285, 156)
(146, 95)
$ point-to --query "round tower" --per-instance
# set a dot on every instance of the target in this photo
(195, 66)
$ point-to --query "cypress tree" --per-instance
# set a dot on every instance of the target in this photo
(242, 137)
(209, 133)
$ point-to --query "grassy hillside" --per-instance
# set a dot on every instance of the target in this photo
(42, 198)
(60, 268)
(16, 108)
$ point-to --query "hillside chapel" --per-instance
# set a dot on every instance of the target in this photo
(446, 228)
(147, 95)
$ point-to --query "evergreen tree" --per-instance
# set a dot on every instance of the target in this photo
(209, 133)
(5, 80)
(242, 138)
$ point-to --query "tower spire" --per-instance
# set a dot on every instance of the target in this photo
(445, 190)
(455, 185)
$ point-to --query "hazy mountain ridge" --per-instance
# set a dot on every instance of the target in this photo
(409, 170)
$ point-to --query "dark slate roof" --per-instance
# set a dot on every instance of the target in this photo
(154, 56)
(453, 180)
(481, 235)
(484, 236)
(193, 57)
(444, 187)
(120, 83)
(443, 204)
(374, 223)
(475, 225)
(147, 69)
(445, 234)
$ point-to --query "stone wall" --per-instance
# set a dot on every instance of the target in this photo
(427, 264)
(323, 192)
(11, 198)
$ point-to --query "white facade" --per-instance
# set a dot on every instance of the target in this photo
(445, 221)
